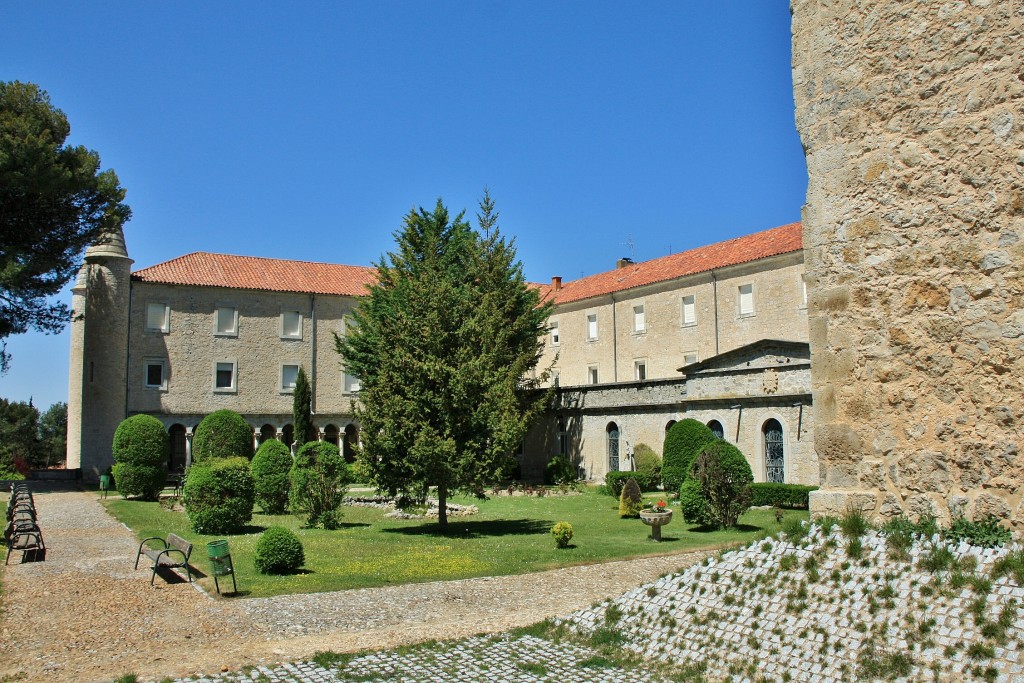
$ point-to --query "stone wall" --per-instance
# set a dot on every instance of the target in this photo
(912, 120)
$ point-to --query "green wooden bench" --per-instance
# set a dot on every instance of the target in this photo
(174, 554)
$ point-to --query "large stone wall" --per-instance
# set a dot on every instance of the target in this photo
(912, 120)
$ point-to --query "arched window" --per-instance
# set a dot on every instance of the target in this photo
(267, 432)
(177, 436)
(613, 447)
(288, 432)
(774, 452)
(351, 443)
(717, 429)
(563, 438)
(668, 425)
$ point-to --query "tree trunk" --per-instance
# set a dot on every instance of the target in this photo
(442, 506)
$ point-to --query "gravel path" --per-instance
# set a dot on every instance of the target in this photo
(85, 615)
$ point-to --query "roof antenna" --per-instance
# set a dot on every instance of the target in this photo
(629, 244)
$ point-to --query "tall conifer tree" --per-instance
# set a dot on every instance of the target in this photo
(302, 412)
(445, 346)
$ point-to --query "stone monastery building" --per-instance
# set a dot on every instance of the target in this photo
(717, 333)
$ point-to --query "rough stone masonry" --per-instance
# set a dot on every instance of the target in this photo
(912, 121)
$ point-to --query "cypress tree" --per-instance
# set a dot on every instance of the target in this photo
(302, 415)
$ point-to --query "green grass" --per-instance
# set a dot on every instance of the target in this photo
(510, 535)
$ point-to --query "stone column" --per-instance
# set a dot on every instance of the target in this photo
(188, 446)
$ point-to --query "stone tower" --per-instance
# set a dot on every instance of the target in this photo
(912, 120)
(97, 388)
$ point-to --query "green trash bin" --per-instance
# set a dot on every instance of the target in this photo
(220, 562)
(105, 484)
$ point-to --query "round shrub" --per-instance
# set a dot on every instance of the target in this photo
(141, 450)
(683, 442)
(647, 461)
(222, 434)
(319, 478)
(270, 467)
(692, 505)
(559, 471)
(630, 501)
(562, 531)
(218, 496)
(279, 551)
(724, 476)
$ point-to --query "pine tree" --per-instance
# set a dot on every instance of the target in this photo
(445, 346)
(302, 415)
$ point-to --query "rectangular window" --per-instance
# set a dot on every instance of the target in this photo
(351, 384)
(156, 373)
(746, 299)
(689, 358)
(289, 373)
(291, 325)
(689, 310)
(592, 374)
(639, 321)
(158, 317)
(554, 333)
(640, 370)
(592, 326)
(803, 287)
(555, 374)
(226, 321)
(224, 376)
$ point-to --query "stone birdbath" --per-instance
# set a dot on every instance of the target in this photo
(656, 517)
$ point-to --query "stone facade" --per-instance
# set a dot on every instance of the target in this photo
(912, 119)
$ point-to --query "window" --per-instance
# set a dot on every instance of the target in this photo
(224, 376)
(289, 374)
(351, 384)
(592, 326)
(613, 447)
(746, 299)
(155, 373)
(689, 358)
(640, 370)
(803, 288)
(225, 323)
(291, 325)
(563, 438)
(717, 429)
(774, 452)
(592, 374)
(555, 375)
(554, 333)
(639, 322)
(158, 318)
(689, 310)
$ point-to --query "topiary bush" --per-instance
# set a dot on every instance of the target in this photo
(319, 479)
(222, 434)
(614, 481)
(725, 477)
(792, 496)
(279, 551)
(647, 461)
(219, 495)
(630, 501)
(692, 505)
(270, 468)
(683, 443)
(559, 471)
(562, 531)
(141, 450)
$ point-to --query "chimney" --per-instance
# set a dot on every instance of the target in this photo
(556, 282)
(623, 262)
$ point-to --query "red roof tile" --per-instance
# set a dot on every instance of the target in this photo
(781, 240)
(249, 272)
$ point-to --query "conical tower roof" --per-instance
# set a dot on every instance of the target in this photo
(110, 245)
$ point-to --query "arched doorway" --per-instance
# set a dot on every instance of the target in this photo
(178, 452)
(774, 452)
(267, 432)
(613, 446)
(331, 434)
(351, 443)
(288, 435)
(717, 429)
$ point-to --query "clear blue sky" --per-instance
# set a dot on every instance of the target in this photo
(307, 130)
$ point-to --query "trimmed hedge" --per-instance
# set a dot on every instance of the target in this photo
(319, 479)
(647, 461)
(219, 495)
(614, 481)
(270, 468)
(279, 551)
(141, 450)
(630, 501)
(792, 496)
(683, 443)
(559, 471)
(222, 434)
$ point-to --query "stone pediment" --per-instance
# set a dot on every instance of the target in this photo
(760, 356)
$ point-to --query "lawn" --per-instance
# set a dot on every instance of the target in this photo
(510, 535)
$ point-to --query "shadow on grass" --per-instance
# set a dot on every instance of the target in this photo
(341, 526)
(745, 528)
(463, 528)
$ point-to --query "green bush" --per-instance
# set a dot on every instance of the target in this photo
(319, 478)
(270, 468)
(279, 551)
(562, 531)
(559, 471)
(725, 477)
(683, 443)
(630, 500)
(141, 450)
(692, 505)
(614, 481)
(647, 461)
(219, 495)
(986, 532)
(793, 496)
(222, 434)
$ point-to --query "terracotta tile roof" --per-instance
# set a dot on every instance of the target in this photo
(781, 240)
(249, 272)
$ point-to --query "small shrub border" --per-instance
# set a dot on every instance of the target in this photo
(792, 496)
